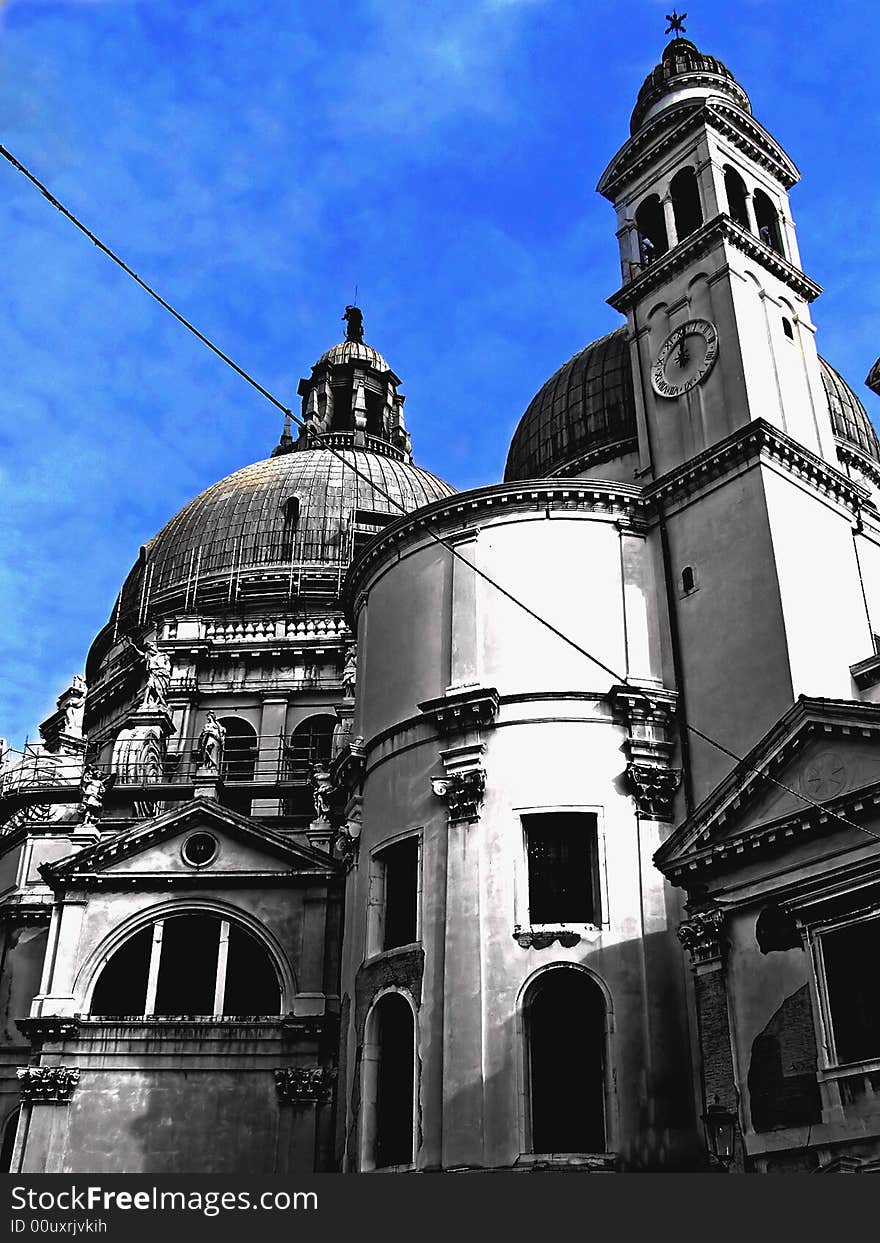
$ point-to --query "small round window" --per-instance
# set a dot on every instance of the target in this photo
(199, 850)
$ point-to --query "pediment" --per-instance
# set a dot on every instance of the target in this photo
(155, 849)
(822, 755)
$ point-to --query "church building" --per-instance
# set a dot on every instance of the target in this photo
(531, 828)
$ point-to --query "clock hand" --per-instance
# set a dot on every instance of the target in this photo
(682, 357)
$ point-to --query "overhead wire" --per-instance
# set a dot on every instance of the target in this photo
(316, 438)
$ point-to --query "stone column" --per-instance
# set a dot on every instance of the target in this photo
(750, 213)
(56, 988)
(669, 219)
(45, 1093)
(702, 935)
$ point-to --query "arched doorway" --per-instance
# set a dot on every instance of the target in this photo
(389, 1083)
(10, 1128)
(564, 1012)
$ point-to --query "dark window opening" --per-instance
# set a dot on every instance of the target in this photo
(651, 227)
(251, 983)
(310, 743)
(122, 985)
(394, 1081)
(686, 204)
(206, 966)
(563, 876)
(188, 965)
(736, 196)
(373, 518)
(565, 1029)
(767, 219)
(688, 578)
(853, 996)
(342, 417)
(375, 411)
(400, 865)
(291, 510)
(787, 328)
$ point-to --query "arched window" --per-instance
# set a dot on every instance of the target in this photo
(310, 743)
(239, 760)
(194, 964)
(688, 579)
(686, 202)
(651, 226)
(736, 196)
(768, 222)
(389, 1068)
(8, 1148)
(564, 1015)
(787, 328)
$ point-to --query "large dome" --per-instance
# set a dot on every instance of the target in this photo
(586, 414)
(586, 409)
(299, 512)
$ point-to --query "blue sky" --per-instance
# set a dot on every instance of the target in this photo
(256, 162)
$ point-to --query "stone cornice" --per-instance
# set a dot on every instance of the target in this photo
(470, 708)
(755, 440)
(48, 1028)
(611, 500)
(716, 231)
(677, 122)
(851, 456)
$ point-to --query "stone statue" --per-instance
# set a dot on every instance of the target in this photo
(72, 703)
(94, 786)
(349, 673)
(158, 673)
(354, 321)
(209, 748)
(323, 788)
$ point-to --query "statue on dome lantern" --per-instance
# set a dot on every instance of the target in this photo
(354, 321)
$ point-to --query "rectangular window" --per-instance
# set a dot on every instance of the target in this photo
(562, 868)
(394, 896)
(848, 955)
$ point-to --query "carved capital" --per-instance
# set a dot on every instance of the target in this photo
(653, 789)
(463, 792)
(702, 935)
(48, 1085)
(304, 1085)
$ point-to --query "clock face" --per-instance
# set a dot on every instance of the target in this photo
(685, 359)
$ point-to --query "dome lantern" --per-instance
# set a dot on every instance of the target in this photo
(352, 397)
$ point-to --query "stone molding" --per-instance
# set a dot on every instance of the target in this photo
(702, 935)
(304, 1085)
(47, 1085)
(534, 939)
(718, 230)
(48, 1028)
(471, 707)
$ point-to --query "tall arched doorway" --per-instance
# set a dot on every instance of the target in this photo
(389, 1083)
(564, 1014)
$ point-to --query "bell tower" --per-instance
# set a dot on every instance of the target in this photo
(712, 285)
(756, 523)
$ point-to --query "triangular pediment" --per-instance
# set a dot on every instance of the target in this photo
(820, 761)
(158, 849)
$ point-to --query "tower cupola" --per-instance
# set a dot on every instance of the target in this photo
(351, 399)
(684, 72)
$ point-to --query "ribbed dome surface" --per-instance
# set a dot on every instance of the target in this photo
(586, 406)
(251, 519)
(848, 416)
(354, 352)
(684, 64)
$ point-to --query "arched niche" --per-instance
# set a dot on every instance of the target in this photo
(388, 1135)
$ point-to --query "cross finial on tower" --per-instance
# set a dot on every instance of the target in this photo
(676, 25)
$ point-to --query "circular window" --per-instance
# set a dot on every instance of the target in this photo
(199, 850)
